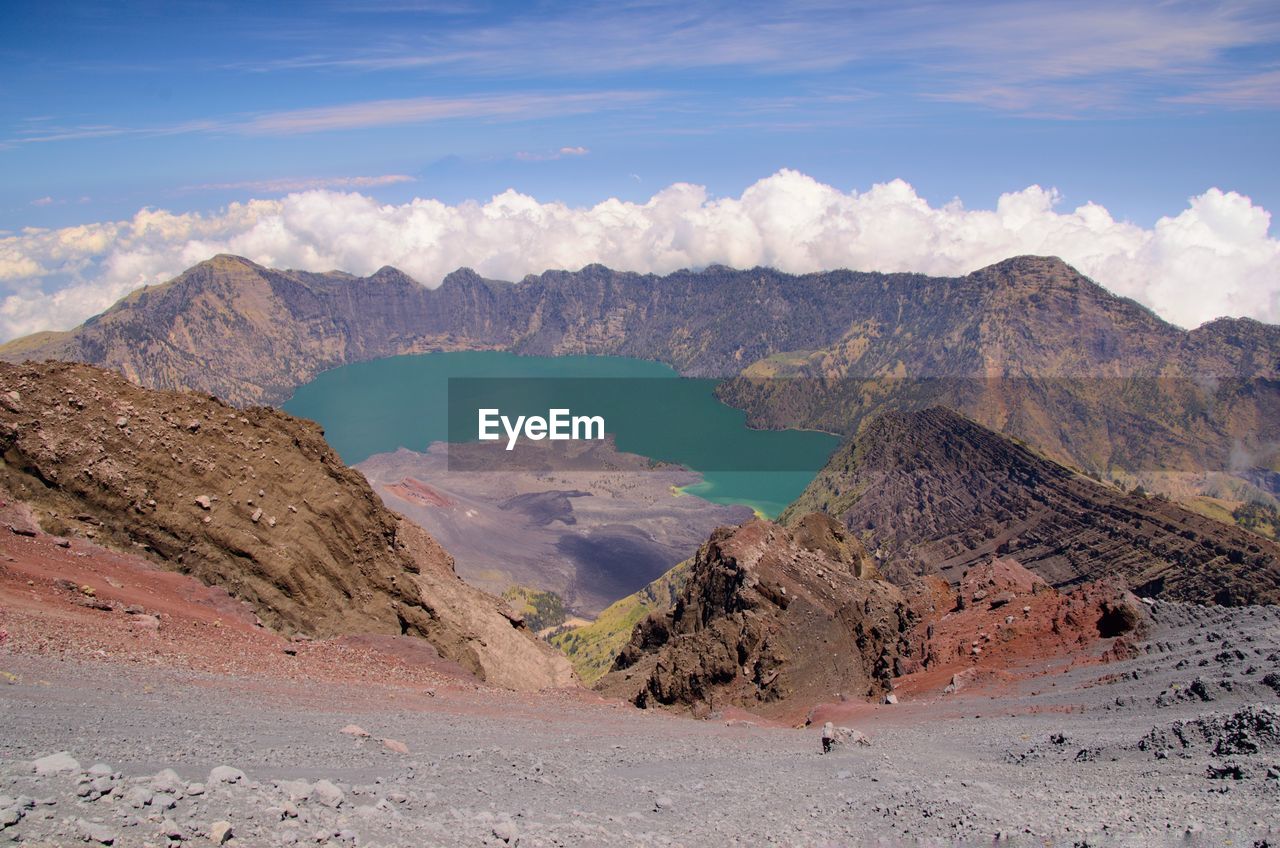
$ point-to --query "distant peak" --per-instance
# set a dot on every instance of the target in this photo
(389, 272)
(1029, 263)
(462, 276)
(223, 260)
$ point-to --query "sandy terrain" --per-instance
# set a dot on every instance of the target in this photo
(1055, 754)
(589, 535)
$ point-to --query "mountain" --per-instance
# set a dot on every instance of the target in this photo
(1028, 347)
(933, 491)
(1034, 350)
(769, 618)
(251, 500)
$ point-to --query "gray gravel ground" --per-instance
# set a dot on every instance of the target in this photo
(1180, 746)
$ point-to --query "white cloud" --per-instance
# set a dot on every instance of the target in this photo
(1213, 258)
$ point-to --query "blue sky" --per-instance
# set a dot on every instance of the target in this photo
(109, 107)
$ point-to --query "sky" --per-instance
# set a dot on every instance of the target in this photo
(1137, 140)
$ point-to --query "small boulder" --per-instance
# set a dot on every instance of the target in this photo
(204, 502)
(395, 745)
(56, 764)
(95, 832)
(356, 731)
(225, 774)
(219, 832)
(297, 790)
(166, 781)
(326, 793)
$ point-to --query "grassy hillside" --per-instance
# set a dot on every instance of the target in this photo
(592, 647)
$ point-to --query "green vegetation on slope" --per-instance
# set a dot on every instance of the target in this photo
(593, 647)
(540, 609)
(1262, 519)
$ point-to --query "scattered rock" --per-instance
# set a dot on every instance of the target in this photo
(219, 832)
(225, 774)
(138, 797)
(95, 832)
(204, 502)
(355, 730)
(326, 793)
(395, 745)
(507, 832)
(56, 764)
(297, 790)
(166, 781)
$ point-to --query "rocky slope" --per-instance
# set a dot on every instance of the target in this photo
(933, 491)
(770, 620)
(1028, 347)
(1034, 350)
(250, 500)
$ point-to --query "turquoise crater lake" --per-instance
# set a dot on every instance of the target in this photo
(376, 407)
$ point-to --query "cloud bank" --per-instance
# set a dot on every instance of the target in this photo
(1213, 258)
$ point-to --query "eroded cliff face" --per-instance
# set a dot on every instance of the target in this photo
(770, 620)
(934, 492)
(251, 500)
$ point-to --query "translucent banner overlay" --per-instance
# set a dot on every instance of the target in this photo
(673, 421)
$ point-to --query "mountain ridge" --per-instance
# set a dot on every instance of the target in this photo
(1027, 346)
(932, 491)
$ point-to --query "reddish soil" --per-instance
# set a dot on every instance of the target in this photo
(136, 613)
(417, 492)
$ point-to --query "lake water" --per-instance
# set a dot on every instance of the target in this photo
(375, 407)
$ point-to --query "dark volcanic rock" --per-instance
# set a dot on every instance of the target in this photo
(932, 491)
(769, 620)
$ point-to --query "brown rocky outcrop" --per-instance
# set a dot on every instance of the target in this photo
(1003, 620)
(253, 501)
(770, 620)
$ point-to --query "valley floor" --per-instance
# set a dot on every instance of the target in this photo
(1061, 767)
